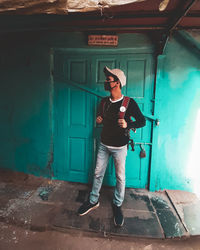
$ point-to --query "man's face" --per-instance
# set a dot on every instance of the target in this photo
(110, 83)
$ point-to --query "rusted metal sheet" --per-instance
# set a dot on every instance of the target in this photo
(91, 5)
(105, 14)
(58, 6)
(33, 6)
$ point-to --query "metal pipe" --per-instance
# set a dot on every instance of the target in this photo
(143, 143)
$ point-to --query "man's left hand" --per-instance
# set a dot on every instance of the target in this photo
(122, 123)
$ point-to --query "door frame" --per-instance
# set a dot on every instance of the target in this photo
(114, 52)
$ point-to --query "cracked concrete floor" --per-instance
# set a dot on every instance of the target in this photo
(17, 238)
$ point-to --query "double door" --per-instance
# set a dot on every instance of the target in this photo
(79, 78)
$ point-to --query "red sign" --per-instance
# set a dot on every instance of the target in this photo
(103, 40)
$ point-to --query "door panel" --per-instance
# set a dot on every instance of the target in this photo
(140, 84)
(77, 164)
(78, 112)
(135, 74)
(73, 122)
(77, 70)
(80, 132)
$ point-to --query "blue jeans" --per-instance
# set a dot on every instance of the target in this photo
(119, 156)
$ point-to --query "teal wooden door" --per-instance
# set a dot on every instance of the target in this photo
(73, 121)
(140, 86)
(80, 131)
(139, 69)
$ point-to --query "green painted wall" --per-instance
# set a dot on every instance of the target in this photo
(25, 106)
(26, 95)
(176, 142)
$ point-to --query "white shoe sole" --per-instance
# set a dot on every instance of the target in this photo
(92, 208)
(117, 224)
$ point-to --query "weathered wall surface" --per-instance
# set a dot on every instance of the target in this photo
(25, 106)
(26, 96)
(176, 158)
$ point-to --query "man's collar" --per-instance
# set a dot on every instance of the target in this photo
(117, 99)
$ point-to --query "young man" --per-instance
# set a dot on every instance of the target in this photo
(114, 140)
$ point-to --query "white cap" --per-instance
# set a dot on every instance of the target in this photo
(118, 73)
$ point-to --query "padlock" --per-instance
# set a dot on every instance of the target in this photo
(142, 152)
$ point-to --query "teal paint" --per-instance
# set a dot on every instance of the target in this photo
(25, 132)
(68, 47)
(75, 133)
(174, 158)
(27, 106)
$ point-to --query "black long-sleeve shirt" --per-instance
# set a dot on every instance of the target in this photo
(112, 134)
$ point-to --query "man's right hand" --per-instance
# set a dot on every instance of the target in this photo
(99, 119)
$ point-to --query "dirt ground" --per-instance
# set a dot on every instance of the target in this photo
(17, 238)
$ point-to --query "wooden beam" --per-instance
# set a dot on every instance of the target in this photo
(174, 23)
(181, 13)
